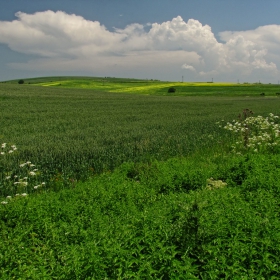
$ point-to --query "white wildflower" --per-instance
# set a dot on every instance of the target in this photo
(32, 173)
(9, 197)
(3, 146)
(24, 194)
(4, 202)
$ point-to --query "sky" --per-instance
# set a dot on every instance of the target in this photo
(169, 40)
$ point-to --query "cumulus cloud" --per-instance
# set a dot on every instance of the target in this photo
(188, 67)
(63, 41)
(254, 49)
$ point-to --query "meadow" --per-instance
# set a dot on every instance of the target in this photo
(139, 183)
(154, 87)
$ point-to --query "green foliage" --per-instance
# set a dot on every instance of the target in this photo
(251, 172)
(171, 90)
(121, 225)
(21, 82)
(181, 175)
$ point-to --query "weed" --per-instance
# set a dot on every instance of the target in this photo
(257, 134)
(16, 181)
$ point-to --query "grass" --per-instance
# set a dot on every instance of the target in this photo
(137, 186)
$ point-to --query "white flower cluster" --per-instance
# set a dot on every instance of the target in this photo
(4, 149)
(212, 184)
(19, 182)
(256, 133)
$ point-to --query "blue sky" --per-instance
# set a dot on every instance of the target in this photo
(154, 39)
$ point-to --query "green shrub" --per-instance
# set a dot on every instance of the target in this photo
(171, 90)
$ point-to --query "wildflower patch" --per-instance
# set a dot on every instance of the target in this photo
(255, 134)
(15, 184)
(212, 184)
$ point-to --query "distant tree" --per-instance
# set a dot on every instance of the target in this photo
(21, 82)
(171, 90)
(262, 94)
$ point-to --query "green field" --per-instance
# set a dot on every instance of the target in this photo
(126, 166)
(82, 131)
(153, 87)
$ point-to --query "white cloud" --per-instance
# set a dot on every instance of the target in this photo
(188, 67)
(248, 51)
(64, 42)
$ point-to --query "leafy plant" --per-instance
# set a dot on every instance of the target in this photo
(171, 90)
(256, 134)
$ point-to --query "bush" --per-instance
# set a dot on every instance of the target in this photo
(171, 90)
(21, 82)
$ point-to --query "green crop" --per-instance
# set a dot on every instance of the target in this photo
(72, 134)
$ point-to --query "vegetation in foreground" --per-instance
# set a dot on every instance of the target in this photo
(210, 215)
(162, 220)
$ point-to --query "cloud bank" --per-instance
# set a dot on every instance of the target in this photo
(64, 42)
